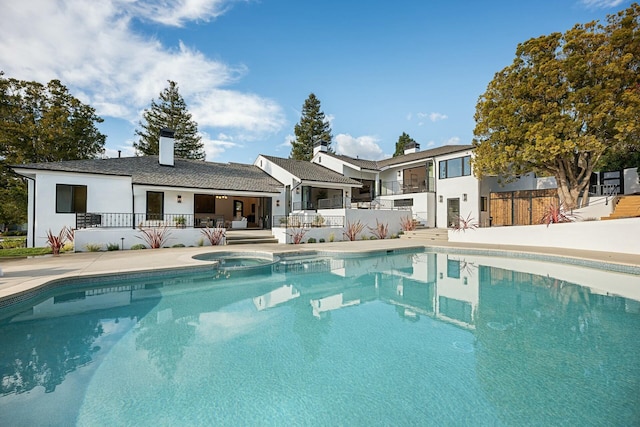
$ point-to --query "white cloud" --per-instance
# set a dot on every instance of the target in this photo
(92, 48)
(364, 147)
(214, 148)
(453, 141)
(602, 4)
(436, 117)
(175, 13)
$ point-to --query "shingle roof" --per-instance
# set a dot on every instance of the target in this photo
(308, 171)
(146, 170)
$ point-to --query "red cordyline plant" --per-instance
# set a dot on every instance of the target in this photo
(69, 233)
(556, 214)
(407, 223)
(155, 237)
(380, 230)
(463, 224)
(215, 235)
(297, 234)
(353, 229)
(57, 242)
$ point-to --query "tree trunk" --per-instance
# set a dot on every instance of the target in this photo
(570, 191)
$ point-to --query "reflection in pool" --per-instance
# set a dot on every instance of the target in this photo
(399, 339)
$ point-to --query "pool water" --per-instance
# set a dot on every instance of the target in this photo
(398, 339)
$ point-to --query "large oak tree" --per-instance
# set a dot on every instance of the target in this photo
(40, 123)
(565, 101)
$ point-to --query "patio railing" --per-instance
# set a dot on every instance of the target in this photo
(135, 220)
(308, 221)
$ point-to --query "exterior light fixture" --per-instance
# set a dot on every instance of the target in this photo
(464, 197)
(441, 198)
(278, 202)
(179, 198)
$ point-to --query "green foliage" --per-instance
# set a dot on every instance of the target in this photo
(565, 102)
(95, 247)
(19, 242)
(113, 247)
(311, 240)
(23, 252)
(155, 237)
(178, 245)
(313, 127)
(138, 246)
(321, 240)
(40, 123)
(169, 112)
(403, 140)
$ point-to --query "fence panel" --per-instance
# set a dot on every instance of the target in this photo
(525, 207)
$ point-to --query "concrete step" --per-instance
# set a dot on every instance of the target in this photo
(430, 234)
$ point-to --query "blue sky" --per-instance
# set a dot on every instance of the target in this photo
(245, 67)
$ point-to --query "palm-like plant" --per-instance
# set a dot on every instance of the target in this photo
(463, 224)
(216, 236)
(554, 214)
(407, 223)
(155, 237)
(353, 229)
(380, 230)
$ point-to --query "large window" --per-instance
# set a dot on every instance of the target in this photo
(155, 205)
(71, 198)
(452, 168)
(204, 204)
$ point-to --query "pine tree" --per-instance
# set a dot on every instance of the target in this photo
(313, 127)
(403, 140)
(169, 112)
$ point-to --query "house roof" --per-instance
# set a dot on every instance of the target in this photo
(404, 158)
(307, 171)
(434, 152)
(146, 170)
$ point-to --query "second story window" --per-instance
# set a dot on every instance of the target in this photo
(452, 168)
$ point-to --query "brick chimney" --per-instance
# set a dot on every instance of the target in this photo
(166, 144)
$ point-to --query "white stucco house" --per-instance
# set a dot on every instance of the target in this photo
(108, 200)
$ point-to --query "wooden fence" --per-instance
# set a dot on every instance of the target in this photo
(525, 207)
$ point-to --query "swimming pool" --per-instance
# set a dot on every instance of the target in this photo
(404, 338)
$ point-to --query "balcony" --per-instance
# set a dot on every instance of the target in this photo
(391, 188)
(129, 220)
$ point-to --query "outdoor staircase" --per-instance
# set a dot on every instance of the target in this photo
(429, 234)
(248, 238)
(626, 207)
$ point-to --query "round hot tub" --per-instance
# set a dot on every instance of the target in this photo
(234, 262)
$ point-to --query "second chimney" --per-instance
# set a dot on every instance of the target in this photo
(165, 148)
(412, 147)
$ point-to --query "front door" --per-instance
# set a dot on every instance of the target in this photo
(453, 212)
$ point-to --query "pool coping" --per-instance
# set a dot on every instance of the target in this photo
(169, 261)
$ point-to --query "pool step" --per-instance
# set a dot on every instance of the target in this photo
(250, 240)
(431, 234)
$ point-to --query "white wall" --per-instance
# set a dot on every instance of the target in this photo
(105, 236)
(631, 184)
(104, 194)
(619, 235)
(454, 188)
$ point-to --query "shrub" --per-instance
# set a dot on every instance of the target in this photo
(407, 223)
(93, 247)
(321, 240)
(13, 243)
(113, 247)
(394, 236)
(311, 240)
(353, 229)
(56, 242)
(380, 231)
(138, 246)
(215, 236)
(200, 241)
(178, 245)
(155, 237)
(332, 237)
(463, 224)
(556, 214)
(297, 234)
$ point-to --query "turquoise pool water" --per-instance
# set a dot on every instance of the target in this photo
(396, 339)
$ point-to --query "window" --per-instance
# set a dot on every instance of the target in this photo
(398, 203)
(204, 203)
(453, 268)
(155, 205)
(71, 198)
(483, 204)
(452, 168)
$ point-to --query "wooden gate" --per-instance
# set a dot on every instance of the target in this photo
(524, 207)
